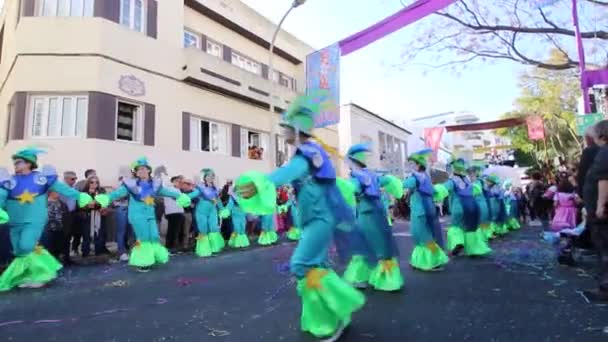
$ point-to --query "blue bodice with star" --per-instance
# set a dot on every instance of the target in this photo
(24, 188)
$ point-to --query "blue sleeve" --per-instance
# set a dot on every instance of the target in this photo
(410, 183)
(194, 194)
(164, 192)
(230, 204)
(3, 197)
(297, 167)
(119, 193)
(64, 190)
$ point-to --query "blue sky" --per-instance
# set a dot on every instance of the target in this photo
(368, 77)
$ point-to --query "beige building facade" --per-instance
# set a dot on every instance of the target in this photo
(186, 83)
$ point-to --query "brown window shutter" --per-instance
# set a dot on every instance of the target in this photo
(149, 124)
(102, 116)
(227, 54)
(203, 42)
(265, 71)
(186, 131)
(236, 141)
(108, 9)
(28, 8)
(18, 116)
(152, 24)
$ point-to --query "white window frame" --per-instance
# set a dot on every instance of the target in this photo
(246, 63)
(216, 147)
(277, 76)
(197, 38)
(131, 23)
(44, 121)
(220, 47)
(138, 126)
(87, 8)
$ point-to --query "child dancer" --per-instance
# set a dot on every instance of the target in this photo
(209, 240)
(511, 206)
(239, 238)
(268, 235)
(294, 233)
(24, 196)
(373, 223)
(327, 301)
(497, 205)
(481, 200)
(428, 254)
(142, 190)
(464, 232)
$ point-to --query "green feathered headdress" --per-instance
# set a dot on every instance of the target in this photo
(29, 154)
(421, 157)
(359, 152)
(206, 172)
(493, 178)
(304, 109)
(459, 166)
(477, 167)
(143, 161)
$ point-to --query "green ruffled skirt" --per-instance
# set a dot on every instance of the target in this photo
(500, 229)
(327, 302)
(38, 267)
(268, 238)
(217, 242)
(294, 234)
(357, 271)
(386, 276)
(238, 240)
(146, 254)
(513, 223)
(455, 237)
(428, 257)
(203, 246)
(487, 230)
(476, 244)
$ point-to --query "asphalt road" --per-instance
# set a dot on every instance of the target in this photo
(518, 294)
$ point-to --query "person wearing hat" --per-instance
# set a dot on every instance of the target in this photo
(511, 206)
(385, 274)
(327, 300)
(428, 254)
(141, 190)
(388, 201)
(238, 238)
(23, 207)
(463, 232)
(479, 193)
(209, 240)
(497, 205)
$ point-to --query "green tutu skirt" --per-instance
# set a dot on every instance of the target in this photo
(294, 234)
(487, 231)
(428, 257)
(38, 267)
(386, 276)
(500, 229)
(476, 244)
(327, 302)
(357, 271)
(513, 223)
(268, 238)
(146, 254)
(203, 246)
(455, 237)
(238, 240)
(216, 241)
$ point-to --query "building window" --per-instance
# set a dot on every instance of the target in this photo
(129, 122)
(66, 8)
(191, 39)
(132, 14)
(284, 150)
(254, 145)
(208, 136)
(58, 116)
(215, 49)
(246, 63)
(283, 80)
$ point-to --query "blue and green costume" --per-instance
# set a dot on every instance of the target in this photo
(148, 250)
(385, 275)
(206, 214)
(24, 197)
(268, 235)
(497, 205)
(511, 207)
(294, 233)
(426, 231)
(480, 195)
(464, 231)
(327, 300)
(238, 238)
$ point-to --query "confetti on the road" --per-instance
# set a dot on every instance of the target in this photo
(117, 283)
(4, 324)
(552, 293)
(217, 332)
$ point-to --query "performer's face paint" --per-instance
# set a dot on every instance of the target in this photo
(142, 173)
(21, 166)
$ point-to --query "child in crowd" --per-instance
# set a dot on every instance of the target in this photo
(565, 206)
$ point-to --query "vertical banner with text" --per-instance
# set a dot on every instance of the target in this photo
(323, 73)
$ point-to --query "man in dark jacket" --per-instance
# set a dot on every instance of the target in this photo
(587, 158)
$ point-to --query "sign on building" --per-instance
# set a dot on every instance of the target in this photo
(323, 73)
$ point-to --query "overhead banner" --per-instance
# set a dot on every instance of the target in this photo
(485, 125)
(587, 120)
(432, 139)
(536, 127)
(323, 74)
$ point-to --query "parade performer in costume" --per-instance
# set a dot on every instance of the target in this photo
(142, 189)
(385, 274)
(268, 235)
(479, 193)
(23, 205)
(206, 212)
(294, 233)
(428, 254)
(464, 232)
(238, 238)
(327, 301)
(497, 205)
(511, 206)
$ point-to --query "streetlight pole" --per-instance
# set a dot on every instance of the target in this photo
(273, 142)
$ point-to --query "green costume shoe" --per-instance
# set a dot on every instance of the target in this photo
(327, 302)
(161, 254)
(240, 241)
(501, 229)
(428, 257)
(267, 238)
(386, 276)
(38, 267)
(142, 255)
(231, 240)
(294, 234)
(216, 240)
(357, 272)
(455, 237)
(513, 224)
(475, 244)
(203, 247)
(487, 231)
